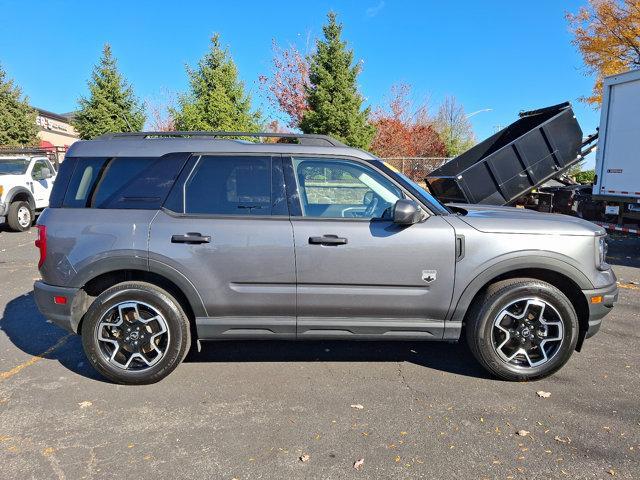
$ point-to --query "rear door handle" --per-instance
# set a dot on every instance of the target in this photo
(191, 238)
(328, 240)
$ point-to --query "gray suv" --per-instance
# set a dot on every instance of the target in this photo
(154, 240)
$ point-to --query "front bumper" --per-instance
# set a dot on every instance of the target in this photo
(66, 315)
(597, 311)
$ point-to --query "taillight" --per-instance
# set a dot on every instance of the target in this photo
(41, 243)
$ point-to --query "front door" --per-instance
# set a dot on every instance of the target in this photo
(360, 275)
(225, 227)
(41, 184)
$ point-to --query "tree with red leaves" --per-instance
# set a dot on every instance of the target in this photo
(288, 82)
(405, 131)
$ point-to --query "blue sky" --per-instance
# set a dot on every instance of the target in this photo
(505, 56)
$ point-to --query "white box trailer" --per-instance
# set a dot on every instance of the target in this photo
(618, 155)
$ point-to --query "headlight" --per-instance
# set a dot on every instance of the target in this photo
(601, 253)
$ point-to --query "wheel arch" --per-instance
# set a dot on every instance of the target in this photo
(566, 278)
(21, 194)
(166, 278)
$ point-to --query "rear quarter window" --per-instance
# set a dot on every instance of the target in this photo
(122, 182)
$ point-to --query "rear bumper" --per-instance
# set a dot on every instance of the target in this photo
(597, 311)
(66, 316)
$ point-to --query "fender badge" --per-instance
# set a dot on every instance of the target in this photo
(429, 276)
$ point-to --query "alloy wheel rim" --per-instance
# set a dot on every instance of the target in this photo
(24, 216)
(527, 333)
(133, 336)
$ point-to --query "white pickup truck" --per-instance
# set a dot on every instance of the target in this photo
(26, 181)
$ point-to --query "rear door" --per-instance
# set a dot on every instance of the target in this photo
(360, 275)
(225, 227)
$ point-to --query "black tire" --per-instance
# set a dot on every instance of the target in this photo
(15, 216)
(481, 333)
(175, 348)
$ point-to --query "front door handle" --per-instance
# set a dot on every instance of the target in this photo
(328, 240)
(191, 238)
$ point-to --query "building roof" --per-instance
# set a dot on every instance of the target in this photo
(65, 117)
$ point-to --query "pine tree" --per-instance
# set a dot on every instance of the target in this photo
(17, 118)
(111, 106)
(335, 105)
(217, 100)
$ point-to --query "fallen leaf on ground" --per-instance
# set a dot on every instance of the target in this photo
(357, 406)
(358, 464)
(304, 458)
(85, 404)
(611, 472)
(523, 433)
(543, 394)
(562, 440)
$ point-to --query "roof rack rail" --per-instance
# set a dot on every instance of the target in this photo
(25, 150)
(303, 139)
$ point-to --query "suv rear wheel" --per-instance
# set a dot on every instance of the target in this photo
(135, 333)
(522, 329)
(20, 216)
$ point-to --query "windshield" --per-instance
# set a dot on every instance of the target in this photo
(13, 166)
(430, 199)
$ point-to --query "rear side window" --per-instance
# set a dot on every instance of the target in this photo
(123, 182)
(229, 186)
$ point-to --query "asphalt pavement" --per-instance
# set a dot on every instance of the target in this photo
(278, 410)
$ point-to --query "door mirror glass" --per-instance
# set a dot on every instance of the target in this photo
(406, 212)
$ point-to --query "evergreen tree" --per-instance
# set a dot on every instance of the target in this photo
(335, 105)
(111, 106)
(217, 100)
(17, 118)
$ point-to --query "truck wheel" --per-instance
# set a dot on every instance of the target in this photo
(20, 216)
(522, 329)
(135, 333)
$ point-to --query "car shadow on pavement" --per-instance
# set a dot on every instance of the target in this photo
(28, 330)
(444, 357)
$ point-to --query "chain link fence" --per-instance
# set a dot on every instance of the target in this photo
(416, 168)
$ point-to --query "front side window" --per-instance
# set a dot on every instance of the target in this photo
(36, 172)
(343, 189)
(229, 186)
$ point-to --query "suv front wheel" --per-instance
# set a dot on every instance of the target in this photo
(135, 333)
(522, 329)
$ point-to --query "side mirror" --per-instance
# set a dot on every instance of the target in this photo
(406, 212)
(46, 173)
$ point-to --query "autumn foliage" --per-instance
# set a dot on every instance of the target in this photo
(403, 131)
(288, 82)
(607, 33)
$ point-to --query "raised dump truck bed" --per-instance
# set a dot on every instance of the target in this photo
(537, 147)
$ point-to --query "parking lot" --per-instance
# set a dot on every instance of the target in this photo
(252, 410)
